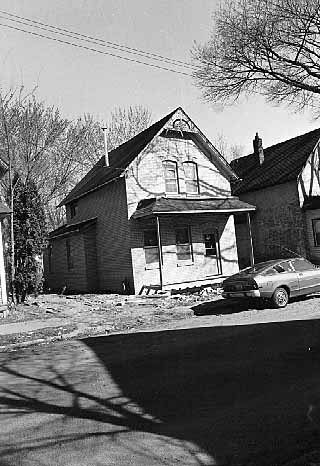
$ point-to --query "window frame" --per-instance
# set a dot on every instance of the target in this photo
(190, 260)
(314, 220)
(192, 180)
(165, 163)
(146, 247)
(73, 209)
(70, 261)
(214, 233)
(217, 256)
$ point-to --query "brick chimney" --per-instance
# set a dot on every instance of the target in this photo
(258, 149)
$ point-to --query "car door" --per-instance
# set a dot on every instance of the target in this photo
(286, 276)
(308, 276)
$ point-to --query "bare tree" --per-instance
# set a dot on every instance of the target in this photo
(45, 149)
(126, 123)
(270, 47)
(53, 152)
(229, 151)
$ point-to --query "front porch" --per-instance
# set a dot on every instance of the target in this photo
(180, 243)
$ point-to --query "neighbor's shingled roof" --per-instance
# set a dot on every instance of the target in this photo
(282, 162)
(119, 159)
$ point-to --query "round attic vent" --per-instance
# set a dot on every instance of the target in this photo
(181, 125)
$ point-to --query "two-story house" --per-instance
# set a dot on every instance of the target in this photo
(283, 182)
(156, 211)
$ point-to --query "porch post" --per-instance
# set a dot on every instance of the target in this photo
(250, 238)
(160, 251)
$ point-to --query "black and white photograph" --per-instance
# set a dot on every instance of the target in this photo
(160, 233)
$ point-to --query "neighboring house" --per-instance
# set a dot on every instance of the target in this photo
(161, 214)
(283, 182)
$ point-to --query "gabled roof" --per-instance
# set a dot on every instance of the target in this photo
(121, 157)
(282, 162)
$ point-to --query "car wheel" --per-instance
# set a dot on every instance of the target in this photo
(280, 297)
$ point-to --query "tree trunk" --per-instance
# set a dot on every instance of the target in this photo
(12, 270)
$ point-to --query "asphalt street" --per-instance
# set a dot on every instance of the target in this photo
(231, 395)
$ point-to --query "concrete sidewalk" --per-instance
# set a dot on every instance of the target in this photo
(31, 326)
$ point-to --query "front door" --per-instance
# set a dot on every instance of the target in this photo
(212, 257)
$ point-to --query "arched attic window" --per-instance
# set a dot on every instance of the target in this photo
(191, 177)
(171, 176)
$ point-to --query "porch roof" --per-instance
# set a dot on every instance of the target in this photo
(164, 205)
(71, 228)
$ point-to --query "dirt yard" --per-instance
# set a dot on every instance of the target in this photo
(59, 316)
(54, 317)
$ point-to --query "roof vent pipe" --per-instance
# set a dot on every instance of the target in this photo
(258, 149)
(106, 157)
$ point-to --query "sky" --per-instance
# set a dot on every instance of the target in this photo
(79, 81)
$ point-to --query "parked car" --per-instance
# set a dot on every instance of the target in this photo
(277, 280)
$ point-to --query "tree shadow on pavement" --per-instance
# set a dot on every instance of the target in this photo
(242, 394)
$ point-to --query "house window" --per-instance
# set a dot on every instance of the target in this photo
(210, 244)
(69, 255)
(73, 209)
(316, 231)
(171, 176)
(50, 258)
(191, 177)
(183, 244)
(151, 250)
(212, 249)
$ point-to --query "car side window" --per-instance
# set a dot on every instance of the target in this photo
(278, 268)
(301, 265)
(283, 267)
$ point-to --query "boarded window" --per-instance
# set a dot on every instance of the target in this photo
(171, 176)
(69, 254)
(316, 231)
(151, 250)
(191, 177)
(183, 244)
